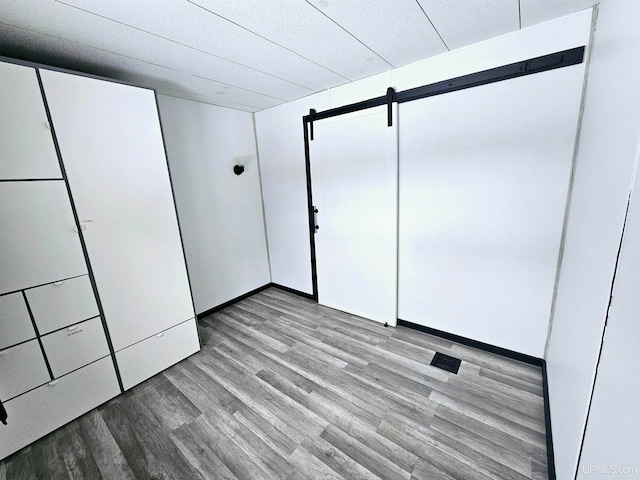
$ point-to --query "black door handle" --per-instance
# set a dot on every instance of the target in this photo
(3, 414)
(315, 220)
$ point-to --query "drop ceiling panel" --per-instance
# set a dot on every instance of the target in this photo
(463, 22)
(226, 93)
(253, 54)
(398, 31)
(537, 11)
(303, 29)
(33, 46)
(190, 25)
(103, 34)
(169, 92)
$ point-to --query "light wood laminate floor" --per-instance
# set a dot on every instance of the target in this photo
(287, 389)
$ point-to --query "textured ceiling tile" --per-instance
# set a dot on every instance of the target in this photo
(190, 25)
(301, 28)
(537, 11)
(363, 89)
(463, 22)
(397, 30)
(226, 93)
(93, 31)
(202, 99)
(37, 47)
(186, 51)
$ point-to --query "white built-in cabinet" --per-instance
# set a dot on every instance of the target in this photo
(93, 283)
(111, 145)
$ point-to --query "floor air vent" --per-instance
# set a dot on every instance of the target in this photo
(445, 362)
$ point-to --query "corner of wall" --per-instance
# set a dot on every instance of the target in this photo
(264, 217)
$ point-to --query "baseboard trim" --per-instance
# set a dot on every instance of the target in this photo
(292, 290)
(531, 360)
(521, 357)
(217, 308)
(551, 462)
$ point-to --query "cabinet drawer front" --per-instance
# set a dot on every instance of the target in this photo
(75, 347)
(37, 239)
(25, 136)
(59, 304)
(15, 323)
(21, 368)
(143, 360)
(44, 409)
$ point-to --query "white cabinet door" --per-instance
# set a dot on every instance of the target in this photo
(111, 145)
(21, 368)
(15, 323)
(37, 239)
(26, 144)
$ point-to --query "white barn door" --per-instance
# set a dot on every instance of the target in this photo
(354, 170)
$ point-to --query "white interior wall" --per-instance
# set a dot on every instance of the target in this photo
(612, 443)
(284, 186)
(220, 213)
(280, 133)
(483, 191)
(608, 147)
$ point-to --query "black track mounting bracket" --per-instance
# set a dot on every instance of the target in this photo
(312, 114)
(391, 97)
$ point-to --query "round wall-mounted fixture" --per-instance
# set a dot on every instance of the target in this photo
(240, 163)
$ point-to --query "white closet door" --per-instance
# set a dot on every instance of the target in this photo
(26, 144)
(112, 149)
(354, 172)
(38, 240)
(484, 175)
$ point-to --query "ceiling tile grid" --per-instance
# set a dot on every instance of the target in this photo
(99, 33)
(537, 11)
(104, 64)
(187, 24)
(254, 54)
(359, 90)
(463, 22)
(398, 31)
(299, 26)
